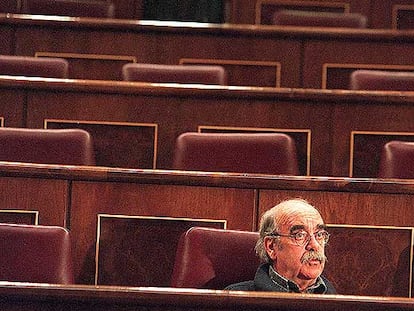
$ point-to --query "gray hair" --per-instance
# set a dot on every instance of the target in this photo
(273, 218)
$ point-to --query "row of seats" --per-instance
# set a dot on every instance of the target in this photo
(106, 9)
(74, 8)
(197, 74)
(42, 254)
(50, 67)
(260, 153)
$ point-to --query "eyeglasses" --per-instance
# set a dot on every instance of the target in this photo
(302, 237)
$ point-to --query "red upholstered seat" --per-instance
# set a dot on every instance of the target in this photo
(75, 8)
(214, 258)
(39, 254)
(262, 153)
(47, 146)
(158, 73)
(319, 19)
(33, 66)
(397, 160)
(382, 80)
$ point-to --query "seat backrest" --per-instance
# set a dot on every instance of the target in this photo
(261, 153)
(319, 19)
(158, 73)
(33, 66)
(381, 80)
(397, 160)
(74, 8)
(214, 258)
(47, 146)
(38, 254)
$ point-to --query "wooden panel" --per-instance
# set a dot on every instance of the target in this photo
(266, 8)
(127, 247)
(93, 66)
(349, 207)
(127, 8)
(367, 118)
(170, 46)
(47, 197)
(12, 102)
(382, 12)
(236, 206)
(403, 16)
(19, 217)
(98, 107)
(380, 259)
(302, 140)
(247, 73)
(176, 114)
(318, 53)
(366, 148)
(118, 144)
(7, 35)
(337, 76)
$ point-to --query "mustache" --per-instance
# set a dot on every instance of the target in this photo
(313, 255)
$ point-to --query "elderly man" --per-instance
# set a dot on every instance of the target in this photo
(292, 245)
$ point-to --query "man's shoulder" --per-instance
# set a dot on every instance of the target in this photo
(330, 289)
(246, 285)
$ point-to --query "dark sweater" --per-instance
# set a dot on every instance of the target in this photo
(263, 282)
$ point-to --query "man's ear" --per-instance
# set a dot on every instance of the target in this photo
(271, 245)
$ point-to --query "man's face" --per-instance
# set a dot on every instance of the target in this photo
(299, 263)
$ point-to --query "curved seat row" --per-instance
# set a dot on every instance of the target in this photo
(250, 153)
(42, 254)
(51, 67)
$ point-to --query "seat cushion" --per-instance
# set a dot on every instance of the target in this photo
(319, 19)
(156, 73)
(262, 153)
(382, 80)
(214, 258)
(47, 146)
(33, 66)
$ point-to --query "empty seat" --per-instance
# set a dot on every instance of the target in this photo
(38, 254)
(74, 8)
(33, 66)
(382, 80)
(214, 258)
(319, 19)
(264, 153)
(47, 146)
(157, 73)
(397, 160)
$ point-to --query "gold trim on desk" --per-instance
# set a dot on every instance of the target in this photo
(378, 133)
(356, 66)
(153, 125)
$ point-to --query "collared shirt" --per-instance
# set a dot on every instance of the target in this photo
(319, 287)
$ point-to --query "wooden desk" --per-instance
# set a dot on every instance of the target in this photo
(28, 297)
(117, 216)
(254, 55)
(135, 125)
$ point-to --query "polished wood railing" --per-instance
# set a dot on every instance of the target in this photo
(54, 297)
